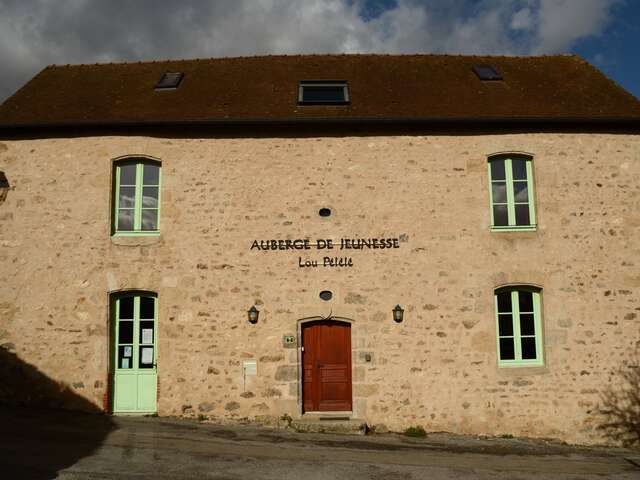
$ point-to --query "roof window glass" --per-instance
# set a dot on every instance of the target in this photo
(323, 93)
(169, 81)
(486, 72)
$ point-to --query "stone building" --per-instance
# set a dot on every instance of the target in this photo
(229, 238)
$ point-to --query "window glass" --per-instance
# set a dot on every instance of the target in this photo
(500, 215)
(522, 214)
(499, 192)
(528, 348)
(525, 301)
(151, 174)
(150, 197)
(497, 170)
(126, 308)
(505, 325)
(137, 205)
(128, 175)
(519, 167)
(125, 332)
(504, 302)
(520, 192)
(147, 307)
(149, 219)
(507, 352)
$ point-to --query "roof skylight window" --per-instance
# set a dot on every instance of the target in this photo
(323, 93)
(486, 72)
(169, 81)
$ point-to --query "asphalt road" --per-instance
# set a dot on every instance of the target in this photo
(43, 445)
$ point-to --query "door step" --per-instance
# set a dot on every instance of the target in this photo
(331, 423)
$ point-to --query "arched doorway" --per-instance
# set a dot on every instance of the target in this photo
(326, 366)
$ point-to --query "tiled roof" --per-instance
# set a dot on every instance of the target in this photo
(381, 87)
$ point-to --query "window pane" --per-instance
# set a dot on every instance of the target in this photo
(146, 357)
(497, 170)
(125, 332)
(125, 220)
(146, 332)
(526, 324)
(504, 302)
(149, 219)
(321, 93)
(505, 325)
(519, 169)
(521, 192)
(525, 301)
(529, 348)
(150, 197)
(126, 308)
(522, 215)
(125, 357)
(151, 175)
(147, 307)
(507, 352)
(500, 216)
(128, 175)
(127, 197)
(499, 192)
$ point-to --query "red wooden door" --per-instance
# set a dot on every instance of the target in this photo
(326, 362)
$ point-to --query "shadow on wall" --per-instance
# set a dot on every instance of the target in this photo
(620, 405)
(37, 438)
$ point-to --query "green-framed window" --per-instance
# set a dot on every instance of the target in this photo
(136, 197)
(519, 326)
(511, 192)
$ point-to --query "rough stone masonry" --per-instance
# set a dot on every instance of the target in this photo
(438, 368)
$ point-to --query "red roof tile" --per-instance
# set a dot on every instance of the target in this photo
(389, 87)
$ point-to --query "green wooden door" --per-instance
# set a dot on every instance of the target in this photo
(135, 353)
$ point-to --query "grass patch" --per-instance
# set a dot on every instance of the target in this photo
(417, 431)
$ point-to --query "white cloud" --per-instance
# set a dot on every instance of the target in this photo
(522, 20)
(34, 33)
(562, 22)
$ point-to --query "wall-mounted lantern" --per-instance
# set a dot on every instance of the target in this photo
(4, 187)
(253, 313)
(398, 313)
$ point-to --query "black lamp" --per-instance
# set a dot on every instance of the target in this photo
(398, 313)
(253, 313)
(4, 187)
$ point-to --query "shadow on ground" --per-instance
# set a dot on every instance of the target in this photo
(620, 405)
(34, 414)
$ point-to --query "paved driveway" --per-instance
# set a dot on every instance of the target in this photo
(42, 445)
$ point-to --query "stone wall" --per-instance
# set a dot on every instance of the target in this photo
(438, 368)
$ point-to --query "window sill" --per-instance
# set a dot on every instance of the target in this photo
(516, 371)
(514, 228)
(520, 364)
(135, 239)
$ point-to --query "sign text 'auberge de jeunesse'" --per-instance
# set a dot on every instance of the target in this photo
(326, 244)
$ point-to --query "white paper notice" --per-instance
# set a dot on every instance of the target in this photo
(127, 351)
(147, 335)
(147, 356)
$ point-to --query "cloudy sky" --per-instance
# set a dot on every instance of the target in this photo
(36, 33)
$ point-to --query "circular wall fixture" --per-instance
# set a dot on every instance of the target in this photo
(324, 212)
(326, 295)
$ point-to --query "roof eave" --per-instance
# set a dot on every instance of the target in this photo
(431, 121)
